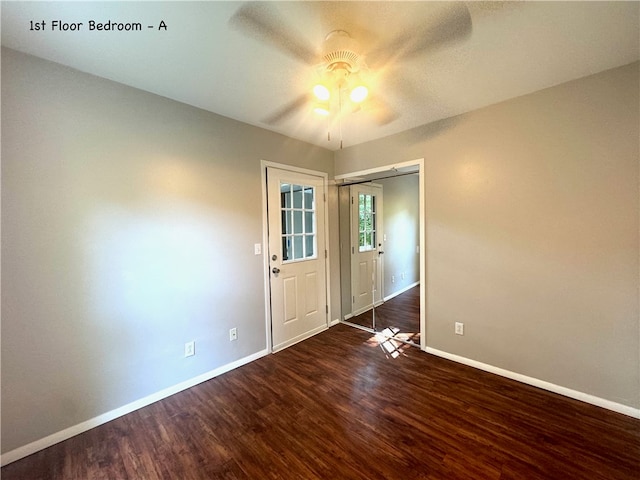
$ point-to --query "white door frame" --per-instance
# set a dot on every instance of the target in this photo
(423, 274)
(264, 164)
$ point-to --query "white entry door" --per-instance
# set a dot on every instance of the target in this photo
(366, 247)
(296, 218)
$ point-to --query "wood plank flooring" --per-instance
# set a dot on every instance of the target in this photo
(340, 406)
(399, 316)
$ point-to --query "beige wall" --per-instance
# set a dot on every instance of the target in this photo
(128, 225)
(532, 225)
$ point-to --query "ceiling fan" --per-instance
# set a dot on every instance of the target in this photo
(343, 67)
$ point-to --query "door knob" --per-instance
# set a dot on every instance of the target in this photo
(275, 270)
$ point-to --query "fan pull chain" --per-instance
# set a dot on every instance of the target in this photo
(340, 115)
(328, 129)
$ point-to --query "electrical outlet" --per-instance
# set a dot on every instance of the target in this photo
(402, 275)
(233, 334)
(189, 349)
(257, 249)
(459, 328)
(393, 279)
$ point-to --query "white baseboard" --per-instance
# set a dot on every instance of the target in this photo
(299, 338)
(551, 387)
(67, 433)
(395, 294)
(334, 322)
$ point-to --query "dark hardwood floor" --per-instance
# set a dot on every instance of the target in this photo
(339, 406)
(398, 317)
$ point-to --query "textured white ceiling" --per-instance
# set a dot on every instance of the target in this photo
(514, 48)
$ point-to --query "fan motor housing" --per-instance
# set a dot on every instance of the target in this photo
(340, 51)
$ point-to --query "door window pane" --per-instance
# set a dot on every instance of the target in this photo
(308, 198)
(297, 196)
(309, 246)
(308, 222)
(286, 221)
(286, 248)
(366, 222)
(285, 195)
(298, 251)
(298, 222)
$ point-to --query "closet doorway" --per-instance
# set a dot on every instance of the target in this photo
(395, 285)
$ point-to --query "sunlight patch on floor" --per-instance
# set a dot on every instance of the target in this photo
(390, 346)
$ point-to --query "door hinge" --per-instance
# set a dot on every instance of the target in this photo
(327, 308)
(354, 300)
(351, 200)
(325, 254)
(324, 195)
(353, 250)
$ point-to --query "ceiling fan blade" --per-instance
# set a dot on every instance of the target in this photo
(261, 21)
(449, 23)
(405, 86)
(287, 110)
(380, 110)
(384, 115)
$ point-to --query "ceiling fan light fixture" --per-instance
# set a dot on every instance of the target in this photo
(321, 92)
(359, 94)
(321, 108)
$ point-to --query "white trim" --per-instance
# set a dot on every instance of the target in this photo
(299, 338)
(401, 291)
(551, 387)
(383, 168)
(327, 248)
(334, 322)
(292, 168)
(67, 433)
(423, 254)
(265, 255)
